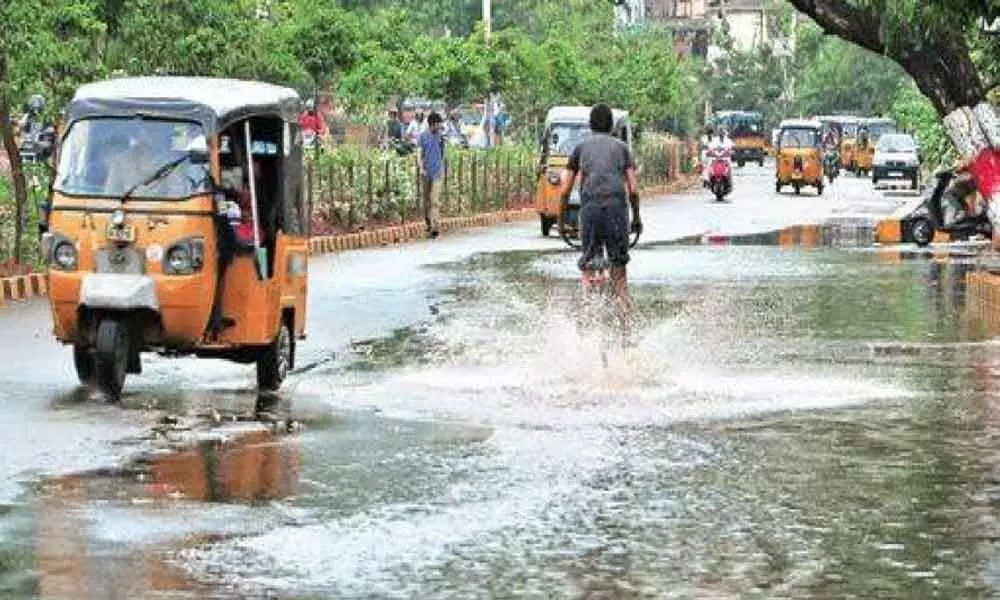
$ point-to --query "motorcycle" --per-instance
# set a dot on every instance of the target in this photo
(831, 164)
(720, 173)
(955, 207)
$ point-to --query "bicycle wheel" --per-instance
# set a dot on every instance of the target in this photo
(569, 230)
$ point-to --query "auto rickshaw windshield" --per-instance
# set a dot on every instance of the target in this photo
(746, 126)
(799, 138)
(107, 157)
(564, 137)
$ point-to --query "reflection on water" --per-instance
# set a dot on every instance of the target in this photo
(93, 531)
(803, 416)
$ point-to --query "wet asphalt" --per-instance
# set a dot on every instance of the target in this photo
(801, 415)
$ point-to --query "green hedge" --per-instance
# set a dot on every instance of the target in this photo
(351, 188)
(38, 184)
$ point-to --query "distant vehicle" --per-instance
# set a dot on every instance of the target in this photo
(746, 129)
(896, 157)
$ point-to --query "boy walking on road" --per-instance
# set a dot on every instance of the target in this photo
(430, 157)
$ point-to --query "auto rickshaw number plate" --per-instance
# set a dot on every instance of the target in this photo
(121, 234)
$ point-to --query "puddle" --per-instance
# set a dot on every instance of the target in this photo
(801, 415)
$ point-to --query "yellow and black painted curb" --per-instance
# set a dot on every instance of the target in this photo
(36, 284)
(22, 287)
(406, 232)
(896, 231)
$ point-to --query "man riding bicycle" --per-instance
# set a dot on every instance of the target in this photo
(606, 171)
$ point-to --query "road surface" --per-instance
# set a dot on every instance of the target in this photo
(803, 421)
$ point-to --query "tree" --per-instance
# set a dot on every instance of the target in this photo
(925, 38)
(934, 42)
(323, 37)
(45, 47)
(835, 76)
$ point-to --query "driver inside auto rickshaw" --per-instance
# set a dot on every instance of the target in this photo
(606, 170)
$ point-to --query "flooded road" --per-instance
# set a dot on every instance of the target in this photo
(801, 415)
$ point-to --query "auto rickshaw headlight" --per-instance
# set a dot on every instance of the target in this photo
(118, 218)
(185, 257)
(64, 256)
(555, 178)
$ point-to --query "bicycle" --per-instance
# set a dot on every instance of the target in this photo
(600, 306)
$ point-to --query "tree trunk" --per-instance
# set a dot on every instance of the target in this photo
(17, 174)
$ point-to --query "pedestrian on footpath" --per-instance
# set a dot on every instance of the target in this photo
(430, 158)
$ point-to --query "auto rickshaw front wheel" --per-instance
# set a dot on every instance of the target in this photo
(112, 354)
(547, 223)
(274, 364)
(83, 361)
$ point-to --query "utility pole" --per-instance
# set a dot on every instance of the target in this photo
(488, 112)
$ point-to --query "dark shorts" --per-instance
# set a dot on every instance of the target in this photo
(603, 235)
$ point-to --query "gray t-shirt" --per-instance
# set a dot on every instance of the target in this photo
(602, 159)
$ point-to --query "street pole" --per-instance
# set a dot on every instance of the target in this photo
(488, 113)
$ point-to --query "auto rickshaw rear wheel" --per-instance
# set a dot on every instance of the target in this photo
(111, 358)
(274, 364)
(798, 189)
(760, 162)
(819, 188)
(777, 187)
(83, 360)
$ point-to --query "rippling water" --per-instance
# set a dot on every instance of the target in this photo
(790, 422)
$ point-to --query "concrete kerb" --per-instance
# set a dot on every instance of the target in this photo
(22, 287)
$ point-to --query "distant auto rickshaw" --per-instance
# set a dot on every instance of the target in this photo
(565, 127)
(800, 158)
(746, 129)
(869, 132)
(178, 226)
(848, 138)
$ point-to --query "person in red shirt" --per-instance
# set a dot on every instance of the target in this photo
(310, 121)
(244, 229)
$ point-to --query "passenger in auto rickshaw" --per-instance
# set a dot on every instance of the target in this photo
(235, 230)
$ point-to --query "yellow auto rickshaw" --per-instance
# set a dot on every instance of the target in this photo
(848, 139)
(565, 126)
(178, 226)
(869, 132)
(800, 158)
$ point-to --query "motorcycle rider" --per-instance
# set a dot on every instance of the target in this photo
(706, 141)
(721, 147)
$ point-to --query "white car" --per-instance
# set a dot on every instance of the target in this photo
(896, 157)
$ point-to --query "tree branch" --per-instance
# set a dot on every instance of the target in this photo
(939, 61)
(845, 21)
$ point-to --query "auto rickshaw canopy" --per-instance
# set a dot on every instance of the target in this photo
(214, 103)
(580, 114)
(810, 125)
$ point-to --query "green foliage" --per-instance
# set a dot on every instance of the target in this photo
(47, 47)
(916, 115)
(837, 76)
(322, 36)
(353, 187)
